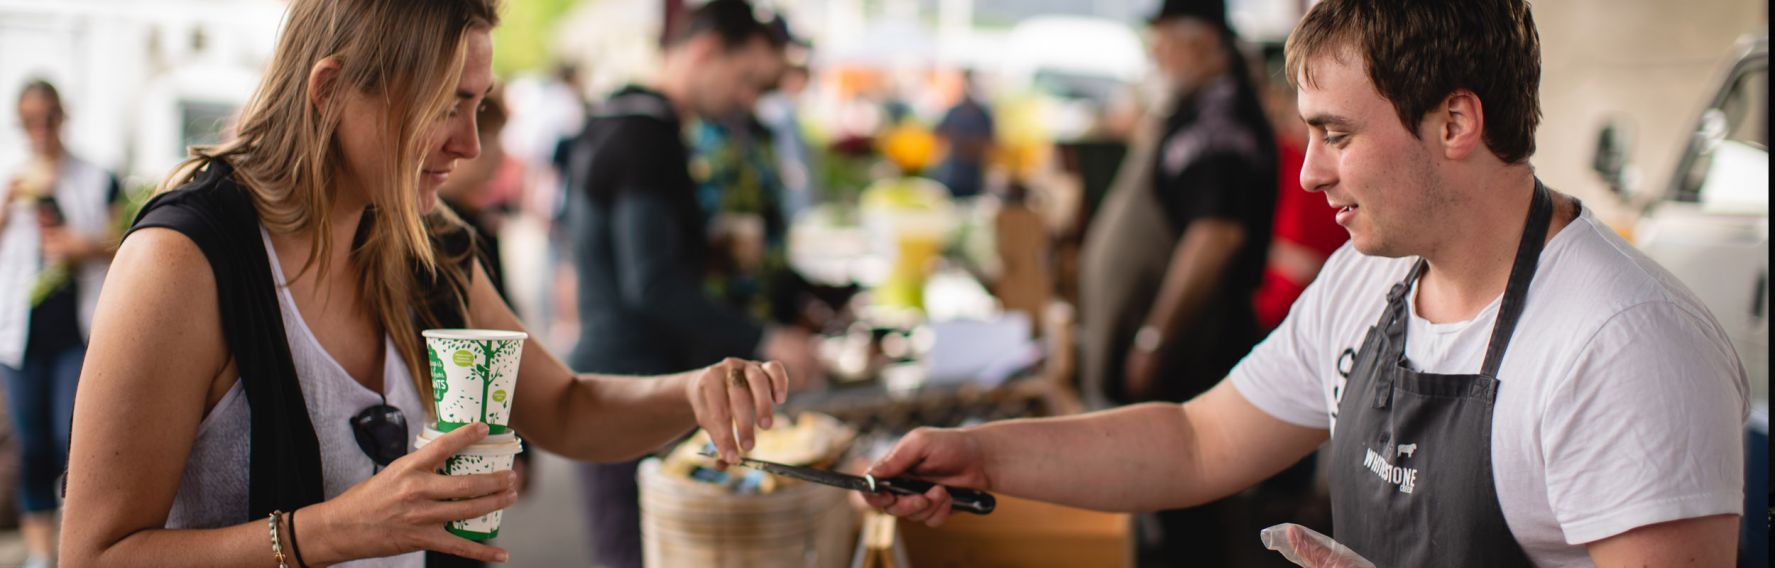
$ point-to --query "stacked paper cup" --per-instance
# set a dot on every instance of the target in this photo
(474, 375)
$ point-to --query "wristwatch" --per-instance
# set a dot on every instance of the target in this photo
(1148, 339)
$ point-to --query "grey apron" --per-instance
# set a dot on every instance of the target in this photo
(1411, 471)
(1121, 264)
(1126, 252)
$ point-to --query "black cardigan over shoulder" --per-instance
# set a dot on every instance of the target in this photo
(214, 211)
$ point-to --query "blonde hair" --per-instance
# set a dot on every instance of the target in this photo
(407, 53)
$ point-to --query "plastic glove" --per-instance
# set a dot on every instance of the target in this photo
(1306, 547)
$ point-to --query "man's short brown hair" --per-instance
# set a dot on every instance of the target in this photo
(1419, 51)
(734, 22)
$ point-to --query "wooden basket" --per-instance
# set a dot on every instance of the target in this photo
(686, 523)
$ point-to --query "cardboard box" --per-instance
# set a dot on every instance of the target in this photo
(1022, 534)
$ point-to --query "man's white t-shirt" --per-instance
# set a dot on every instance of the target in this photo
(1621, 401)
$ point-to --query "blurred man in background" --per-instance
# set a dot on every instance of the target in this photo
(966, 129)
(1175, 252)
(743, 188)
(641, 244)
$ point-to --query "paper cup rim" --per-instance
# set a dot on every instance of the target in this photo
(476, 334)
(493, 445)
(493, 450)
(429, 433)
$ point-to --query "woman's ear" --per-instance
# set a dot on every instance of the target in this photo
(321, 82)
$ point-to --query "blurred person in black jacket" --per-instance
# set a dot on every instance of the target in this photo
(640, 241)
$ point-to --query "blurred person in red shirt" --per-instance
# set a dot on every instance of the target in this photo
(1305, 231)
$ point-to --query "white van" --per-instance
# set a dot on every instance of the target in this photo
(1710, 224)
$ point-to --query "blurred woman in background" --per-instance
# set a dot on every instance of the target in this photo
(58, 230)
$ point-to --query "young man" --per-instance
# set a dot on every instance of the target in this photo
(640, 242)
(1603, 424)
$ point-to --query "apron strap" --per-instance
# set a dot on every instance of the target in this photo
(1528, 256)
(1391, 328)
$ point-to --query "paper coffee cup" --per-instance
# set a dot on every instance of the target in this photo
(495, 453)
(474, 375)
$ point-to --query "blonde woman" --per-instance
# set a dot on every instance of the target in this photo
(256, 366)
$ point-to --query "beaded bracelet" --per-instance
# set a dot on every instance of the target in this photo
(277, 549)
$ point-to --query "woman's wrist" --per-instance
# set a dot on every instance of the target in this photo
(292, 550)
(318, 546)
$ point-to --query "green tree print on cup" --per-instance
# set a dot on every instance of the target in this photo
(439, 384)
(490, 351)
(474, 376)
(492, 455)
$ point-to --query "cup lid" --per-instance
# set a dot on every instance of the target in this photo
(479, 334)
